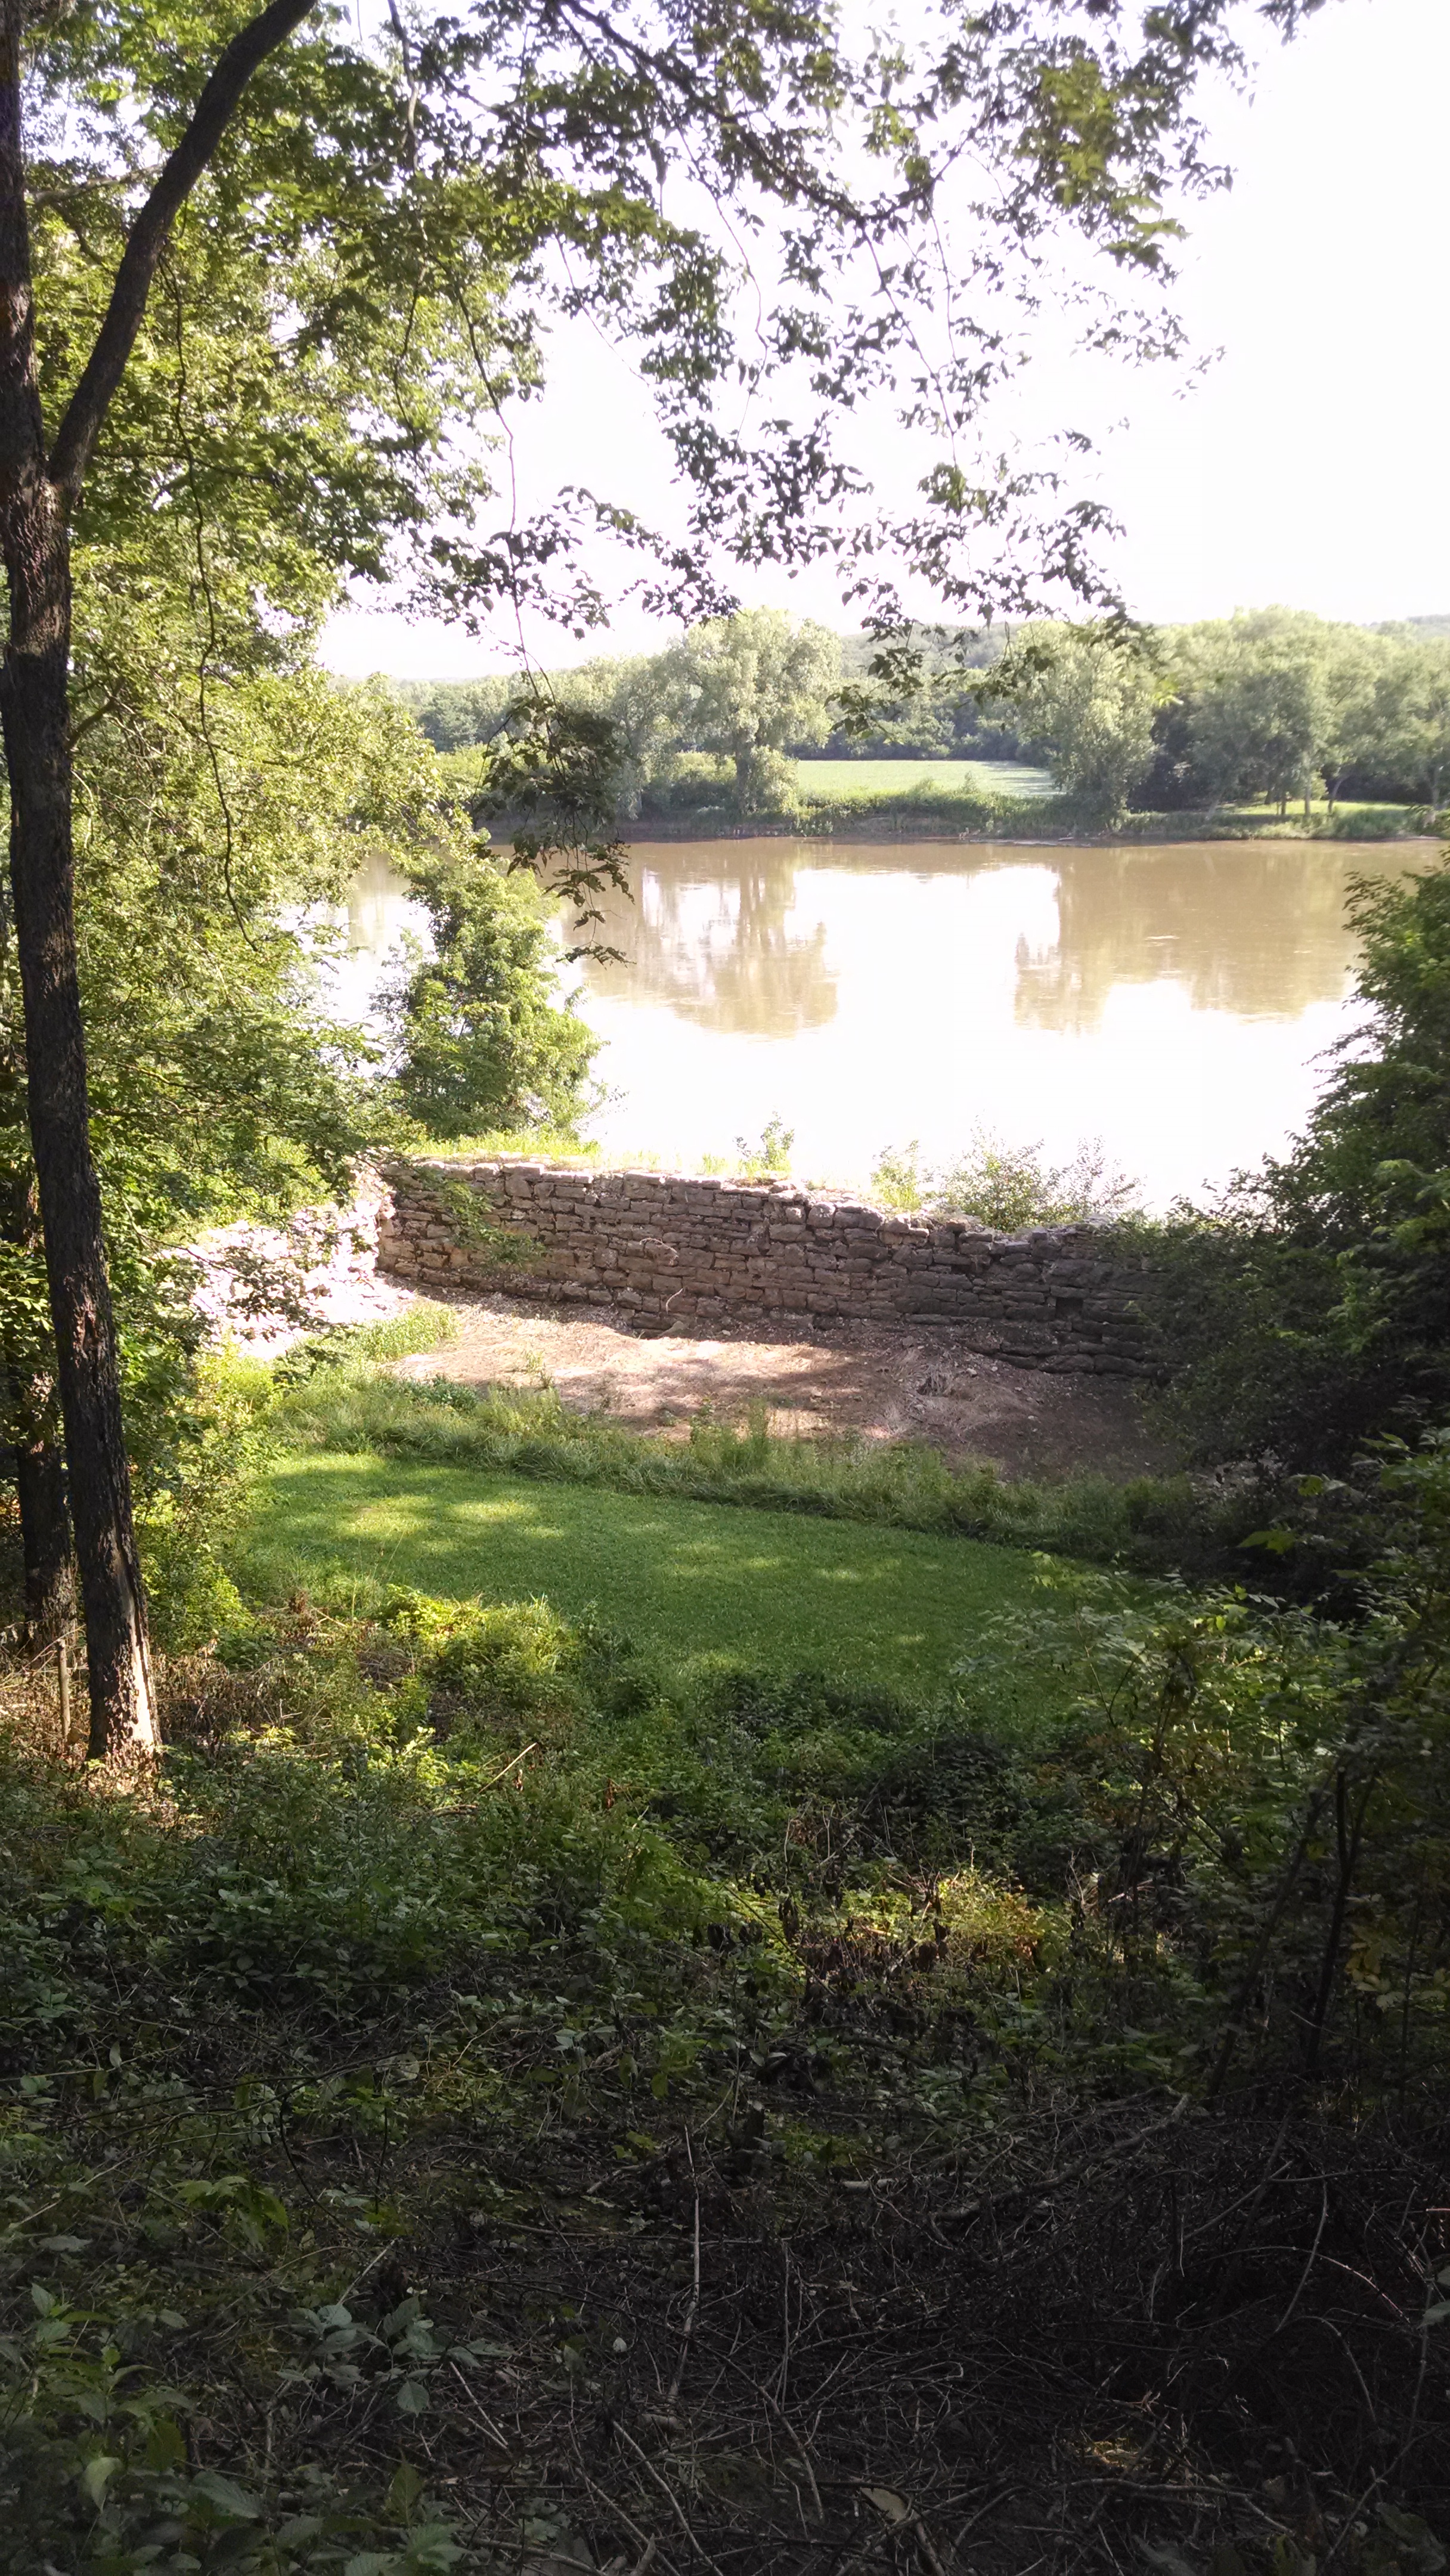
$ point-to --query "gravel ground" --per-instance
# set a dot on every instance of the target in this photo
(888, 1384)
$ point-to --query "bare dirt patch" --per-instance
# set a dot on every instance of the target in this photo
(884, 1383)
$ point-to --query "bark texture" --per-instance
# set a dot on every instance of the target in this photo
(34, 714)
(45, 1537)
(36, 497)
(34, 689)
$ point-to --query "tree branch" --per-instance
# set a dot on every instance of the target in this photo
(116, 338)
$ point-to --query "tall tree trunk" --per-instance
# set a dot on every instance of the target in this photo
(29, 1387)
(37, 495)
(34, 712)
(45, 1539)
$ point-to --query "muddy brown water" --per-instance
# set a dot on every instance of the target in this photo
(1176, 1001)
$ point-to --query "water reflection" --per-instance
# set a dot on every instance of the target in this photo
(380, 910)
(1256, 928)
(724, 950)
(1172, 999)
(735, 934)
(1175, 1000)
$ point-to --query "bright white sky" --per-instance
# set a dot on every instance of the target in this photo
(1307, 466)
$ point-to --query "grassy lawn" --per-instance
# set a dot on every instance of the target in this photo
(879, 1604)
(828, 781)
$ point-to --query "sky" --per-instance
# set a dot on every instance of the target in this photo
(1305, 465)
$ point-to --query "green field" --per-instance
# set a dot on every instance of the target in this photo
(880, 1604)
(823, 782)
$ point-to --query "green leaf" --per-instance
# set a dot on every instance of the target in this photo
(225, 2495)
(97, 2475)
(412, 2398)
(165, 2447)
(403, 2494)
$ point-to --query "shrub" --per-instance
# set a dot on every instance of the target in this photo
(196, 1495)
(478, 1038)
(1311, 1305)
(1006, 1187)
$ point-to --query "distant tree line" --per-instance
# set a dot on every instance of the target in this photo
(759, 690)
(1271, 704)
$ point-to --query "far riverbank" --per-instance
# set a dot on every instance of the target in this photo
(1020, 823)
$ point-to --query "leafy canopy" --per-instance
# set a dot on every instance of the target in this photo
(769, 213)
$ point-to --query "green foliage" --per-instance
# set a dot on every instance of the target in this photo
(1261, 718)
(444, 1918)
(1274, 702)
(422, 1325)
(508, 1663)
(195, 1495)
(1086, 695)
(897, 1179)
(1006, 1187)
(1309, 1308)
(771, 1155)
(200, 1475)
(749, 685)
(478, 1039)
(378, 259)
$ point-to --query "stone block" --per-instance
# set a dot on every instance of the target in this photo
(675, 1245)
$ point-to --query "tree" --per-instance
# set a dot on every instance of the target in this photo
(1261, 706)
(1311, 1307)
(639, 699)
(388, 208)
(748, 685)
(478, 1042)
(220, 1087)
(1353, 664)
(1087, 695)
(1406, 729)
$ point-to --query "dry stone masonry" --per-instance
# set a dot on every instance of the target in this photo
(671, 1249)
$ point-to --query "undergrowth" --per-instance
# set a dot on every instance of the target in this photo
(497, 2099)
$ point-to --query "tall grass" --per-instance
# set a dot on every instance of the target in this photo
(1150, 1523)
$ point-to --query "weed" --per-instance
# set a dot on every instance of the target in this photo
(485, 2026)
(771, 1155)
(1006, 1187)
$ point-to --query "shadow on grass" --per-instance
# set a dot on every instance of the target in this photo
(688, 1577)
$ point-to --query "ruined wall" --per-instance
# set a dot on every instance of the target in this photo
(683, 1250)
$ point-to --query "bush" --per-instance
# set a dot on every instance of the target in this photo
(1310, 1307)
(478, 1036)
(196, 1495)
(358, 2089)
(1006, 1187)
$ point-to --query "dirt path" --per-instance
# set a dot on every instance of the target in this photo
(888, 1384)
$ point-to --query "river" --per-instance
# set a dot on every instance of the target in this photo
(1175, 1001)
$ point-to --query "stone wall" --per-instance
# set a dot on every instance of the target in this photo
(673, 1250)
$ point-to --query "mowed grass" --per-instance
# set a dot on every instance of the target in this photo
(830, 782)
(686, 1578)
